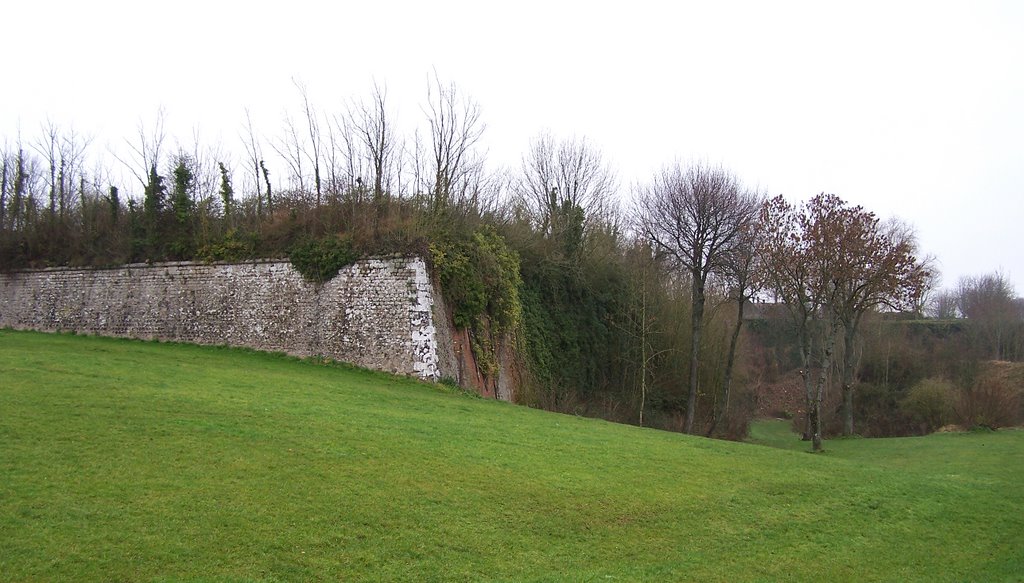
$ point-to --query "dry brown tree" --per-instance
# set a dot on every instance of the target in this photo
(882, 272)
(831, 262)
(455, 163)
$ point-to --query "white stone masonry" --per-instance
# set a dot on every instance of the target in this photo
(377, 313)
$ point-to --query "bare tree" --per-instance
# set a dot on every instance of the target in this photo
(313, 153)
(23, 176)
(455, 130)
(290, 148)
(203, 160)
(695, 215)
(943, 305)
(364, 154)
(74, 147)
(929, 286)
(640, 323)
(372, 124)
(992, 309)
(421, 184)
(333, 154)
(10, 162)
(47, 148)
(64, 153)
(402, 181)
(565, 185)
(352, 157)
(146, 154)
(254, 160)
(299, 146)
(5, 171)
(485, 190)
(743, 277)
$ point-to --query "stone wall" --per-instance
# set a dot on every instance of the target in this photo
(377, 313)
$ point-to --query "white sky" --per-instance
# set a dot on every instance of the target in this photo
(912, 109)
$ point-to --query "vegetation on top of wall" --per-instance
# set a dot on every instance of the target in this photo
(319, 260)
(232, 247)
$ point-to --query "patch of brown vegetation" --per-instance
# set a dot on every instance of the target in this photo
(1009, 373)
(782, 398)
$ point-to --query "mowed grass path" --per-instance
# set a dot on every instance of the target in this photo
(124, 460)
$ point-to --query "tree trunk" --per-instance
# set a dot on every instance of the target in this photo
(3, 196)
(61, 189)
(729, 363)
(643, 347)
(17, 200)
(814, 419)
(826, 362)
(53, 188)
(849, 364)
(697, 324)
(316, 178)
(805, 375)
(266, 180)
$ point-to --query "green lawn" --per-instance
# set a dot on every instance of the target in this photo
(129, 461)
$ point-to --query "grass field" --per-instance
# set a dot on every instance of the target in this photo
(133, 461)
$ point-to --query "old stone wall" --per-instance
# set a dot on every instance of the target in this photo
(377, 313)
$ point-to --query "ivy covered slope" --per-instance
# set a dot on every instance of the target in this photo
(127, 460)
(479, 276)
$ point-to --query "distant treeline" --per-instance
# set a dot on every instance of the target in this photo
(604, 303)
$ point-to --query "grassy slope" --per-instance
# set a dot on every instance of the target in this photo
(125, 460)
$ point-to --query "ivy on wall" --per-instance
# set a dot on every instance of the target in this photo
(479, 274)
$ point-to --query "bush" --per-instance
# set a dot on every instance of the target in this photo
(990, 403)
(875, 411)
(462, 285)
(319, 260)
(233, 247)
(929, 404)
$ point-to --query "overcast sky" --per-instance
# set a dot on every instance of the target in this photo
(911, 109)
